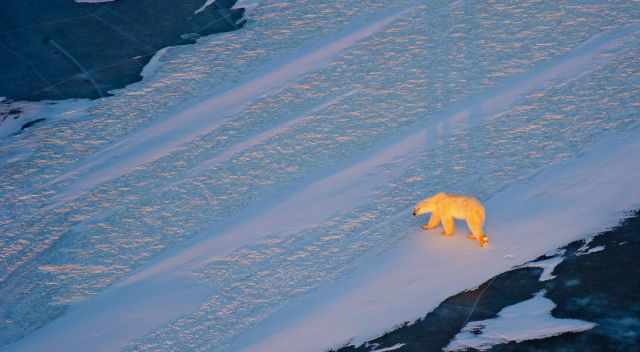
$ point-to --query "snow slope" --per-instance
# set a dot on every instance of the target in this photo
(177, 217)
(423, 268)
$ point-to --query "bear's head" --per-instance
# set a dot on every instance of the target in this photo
(428, 205)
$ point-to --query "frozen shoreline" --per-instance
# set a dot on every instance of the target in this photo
(36, 102)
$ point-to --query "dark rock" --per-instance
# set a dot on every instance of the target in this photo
(31, 123)
(59, 49)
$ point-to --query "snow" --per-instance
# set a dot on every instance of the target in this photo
(548, 265)
(528, 320)
(255, 192)
(392, 348)
(204, 6)
(585, 245)
(592, 250)
(584, 249)
(154, 64)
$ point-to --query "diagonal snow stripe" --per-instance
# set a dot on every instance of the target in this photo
(264, 136)
(162, 138)
(172, 279)
(573, 65)
(338, 192)
(165, 136)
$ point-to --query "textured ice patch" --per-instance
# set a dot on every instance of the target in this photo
(528, 320)
(16, 115)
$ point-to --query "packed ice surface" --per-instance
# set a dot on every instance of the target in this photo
(252, 192)
(528, 320)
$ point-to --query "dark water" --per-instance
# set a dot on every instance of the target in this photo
(60, 49)
(601, 287)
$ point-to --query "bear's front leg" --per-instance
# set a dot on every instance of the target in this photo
(449, 226)
(434, 221)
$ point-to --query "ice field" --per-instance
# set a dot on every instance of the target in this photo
(254, 191)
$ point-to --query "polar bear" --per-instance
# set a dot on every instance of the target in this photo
(447, 207)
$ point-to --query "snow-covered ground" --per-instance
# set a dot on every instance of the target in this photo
(399, 283)
(179, 217)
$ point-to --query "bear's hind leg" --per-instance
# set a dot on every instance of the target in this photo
(475, 226)
(449, 225)
(434, 221)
